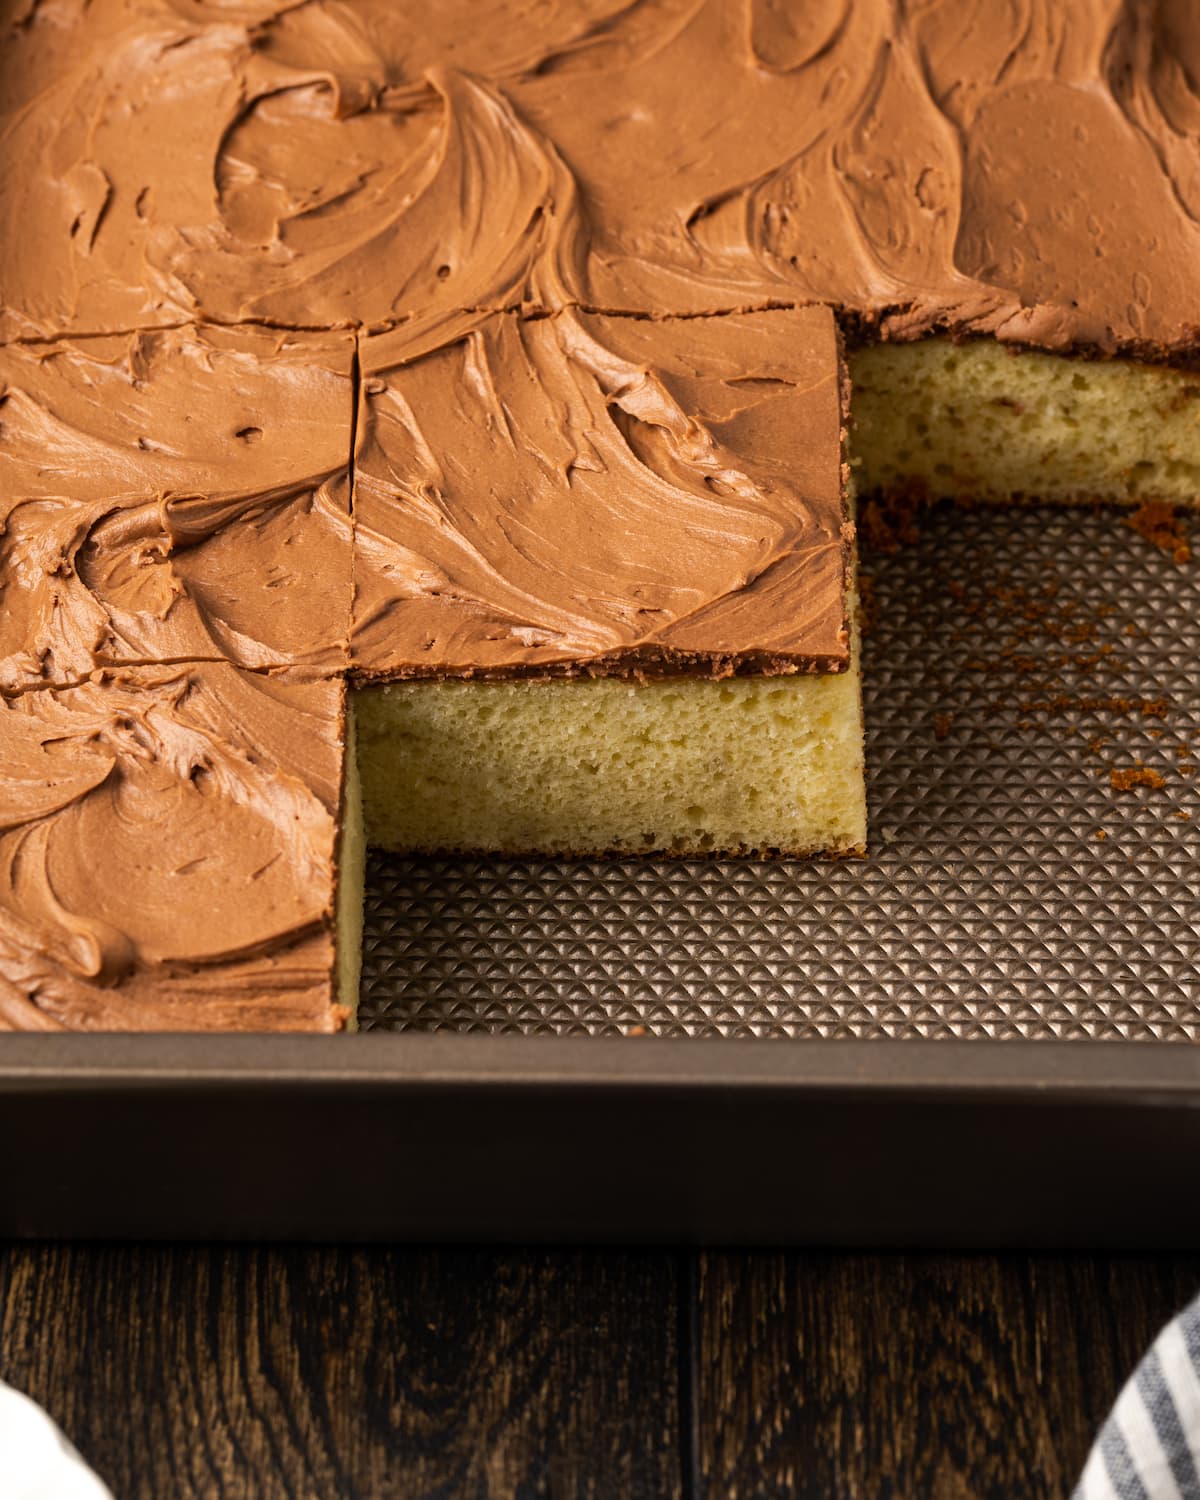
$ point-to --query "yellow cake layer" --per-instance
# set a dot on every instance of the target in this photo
(981, 420)
(747, 765)
(351, 874)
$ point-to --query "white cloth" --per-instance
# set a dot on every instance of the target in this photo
(36, 1461)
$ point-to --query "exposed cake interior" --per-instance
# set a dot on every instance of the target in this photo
(745, 765)
(351, 872)
(985, 421)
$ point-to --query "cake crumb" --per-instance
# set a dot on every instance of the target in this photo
(1162, 525)
(1183, 815)
(941, 725)
(868, 603)
(1101, 834)
(635, 1031)
(1126, 779)
(1150, 708)
(892, 520)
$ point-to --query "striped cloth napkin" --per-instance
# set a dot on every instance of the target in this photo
(1149, 1446)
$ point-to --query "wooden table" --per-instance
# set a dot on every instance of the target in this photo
(445, 1373)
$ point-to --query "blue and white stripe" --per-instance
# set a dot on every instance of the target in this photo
(1149, 1446)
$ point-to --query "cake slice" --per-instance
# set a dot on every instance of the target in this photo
(180, 494)
(602, 572)
(981, 421)
(170, 854)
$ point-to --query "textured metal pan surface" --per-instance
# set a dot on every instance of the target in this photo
(1032, 694)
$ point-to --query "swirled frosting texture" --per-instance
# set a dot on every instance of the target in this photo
(196, 195)
(180, 163)
(582, 493)
(177, 494)
(1016, 167)
(166, 852)
(1024, 169)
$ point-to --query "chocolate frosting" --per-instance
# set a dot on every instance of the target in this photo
(592, 254)
(166, 849)
(257, 168)
(180, 494)
(583, 493)
(1026, 171)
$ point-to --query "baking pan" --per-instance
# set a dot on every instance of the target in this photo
(983, 1034)
(1032, 696)
(436, 1137)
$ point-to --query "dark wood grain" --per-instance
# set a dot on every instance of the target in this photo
(920, 1377)
(324, 1372)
